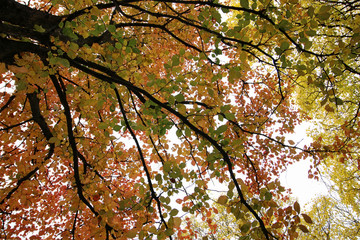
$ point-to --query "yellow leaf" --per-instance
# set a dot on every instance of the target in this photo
(132, 233)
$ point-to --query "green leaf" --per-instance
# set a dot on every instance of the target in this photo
(225, 10)
(179, 98)
(221, 117)
(337, 71)
(268, 196)
(112, 28)
(324, 13)
(21, 85)
(63, 62)
(117, 128)
(285, 25)
(188, 132)
(230, 116)
(68, 31)
(118, 45)
(102, 125)
(171, 100)
(132, 233)
(324, 9)
(338, 101)
(169, 232)
(178, 133)
(70, 88)
(244, 3)
(311, 33)
(132, 42)
(311, 11)
(182, 52)
(212, 157)
(245, 228)
(175, 60)
(221, 129)
(174, 212)
(234, 74)
(284, 45)
(112, 108)
(167, 167)
(225, 108)
(39, 28)
(74, 46)
(162, 131)
(217, 51)
(216, 15)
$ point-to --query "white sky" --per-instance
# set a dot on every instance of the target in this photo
(296, 176)
(303, 188)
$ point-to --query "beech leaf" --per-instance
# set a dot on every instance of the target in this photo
(297, 207)
(307, 218)
(303, 228)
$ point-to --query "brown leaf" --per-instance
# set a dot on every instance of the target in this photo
(307, 218)
(328, 108)
(303, 228)
(277, 225)
(297, 207)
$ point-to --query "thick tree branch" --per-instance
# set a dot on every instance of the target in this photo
(9, 48)
(40, 120)
(25, 16)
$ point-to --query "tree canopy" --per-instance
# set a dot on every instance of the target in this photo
(119, 117)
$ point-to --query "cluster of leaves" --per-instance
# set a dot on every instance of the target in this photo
(332, 219)
(117, 113)
(227, 219)
(330, 98)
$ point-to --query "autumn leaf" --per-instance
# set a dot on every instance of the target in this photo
(222, 200)
(306, 218)
(303, 228)
(297, 207)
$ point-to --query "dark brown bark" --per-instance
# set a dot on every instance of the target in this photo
(9, 48)
(22, 15)
(17, 24)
